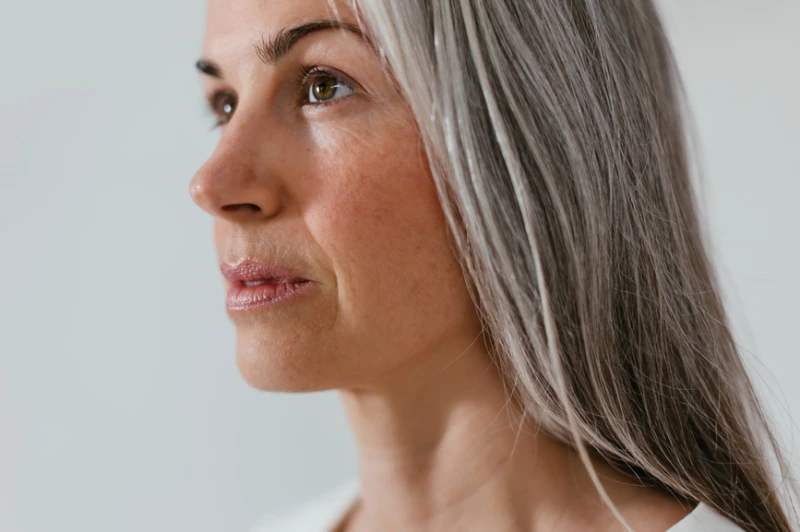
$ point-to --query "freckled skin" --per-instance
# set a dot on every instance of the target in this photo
(345, 197)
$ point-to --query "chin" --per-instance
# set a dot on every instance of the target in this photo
(288, 366)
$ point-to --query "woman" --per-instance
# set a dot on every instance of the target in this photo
(475, 219)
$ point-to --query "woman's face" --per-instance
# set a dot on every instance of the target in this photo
(319, 170)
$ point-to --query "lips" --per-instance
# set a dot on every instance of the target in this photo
(255, 284)
(251, 271)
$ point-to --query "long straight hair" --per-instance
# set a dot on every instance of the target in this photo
(555, 131)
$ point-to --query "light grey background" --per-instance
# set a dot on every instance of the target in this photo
(121, 408)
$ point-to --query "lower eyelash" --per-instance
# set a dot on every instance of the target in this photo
(208, 111)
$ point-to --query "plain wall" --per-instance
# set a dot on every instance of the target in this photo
(121, 408)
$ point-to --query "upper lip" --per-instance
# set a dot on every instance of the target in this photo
(249, 270)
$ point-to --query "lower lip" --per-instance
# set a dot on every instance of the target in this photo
(244, 298)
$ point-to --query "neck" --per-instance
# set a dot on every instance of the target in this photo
(442, 447)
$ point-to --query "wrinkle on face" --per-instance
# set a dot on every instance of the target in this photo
(346, 193)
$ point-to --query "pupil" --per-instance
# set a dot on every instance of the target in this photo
(324, 88)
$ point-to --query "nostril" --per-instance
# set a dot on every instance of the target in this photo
(234, 207)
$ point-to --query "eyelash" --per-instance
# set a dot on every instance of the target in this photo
(306, 75)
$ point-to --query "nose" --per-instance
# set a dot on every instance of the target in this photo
(236, 184)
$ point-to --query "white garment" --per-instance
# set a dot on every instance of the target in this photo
(325, 513)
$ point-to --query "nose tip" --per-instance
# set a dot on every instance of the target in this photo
(201, 196)
(197, 193)
(233, 191)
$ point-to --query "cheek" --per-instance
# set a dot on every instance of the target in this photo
(386, 211)
(397, 276)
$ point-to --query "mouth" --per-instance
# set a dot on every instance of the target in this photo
(268, 281)
(257, 284)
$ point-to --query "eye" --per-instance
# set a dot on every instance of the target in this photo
(321, 86)
(325, 88)
(222, 104)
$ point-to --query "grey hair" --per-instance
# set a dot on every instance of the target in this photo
(556, 135)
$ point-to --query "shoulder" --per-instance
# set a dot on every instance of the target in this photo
(320, 514)
(652, 509)
(705, 519)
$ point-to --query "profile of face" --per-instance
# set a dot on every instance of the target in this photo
(320, 172)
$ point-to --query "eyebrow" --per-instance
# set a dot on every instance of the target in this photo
(271, 50)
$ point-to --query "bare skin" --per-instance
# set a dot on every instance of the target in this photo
(325, 175)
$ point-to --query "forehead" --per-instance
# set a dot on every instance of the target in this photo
(230, 23)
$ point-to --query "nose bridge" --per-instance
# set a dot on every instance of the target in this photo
(240, 180)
